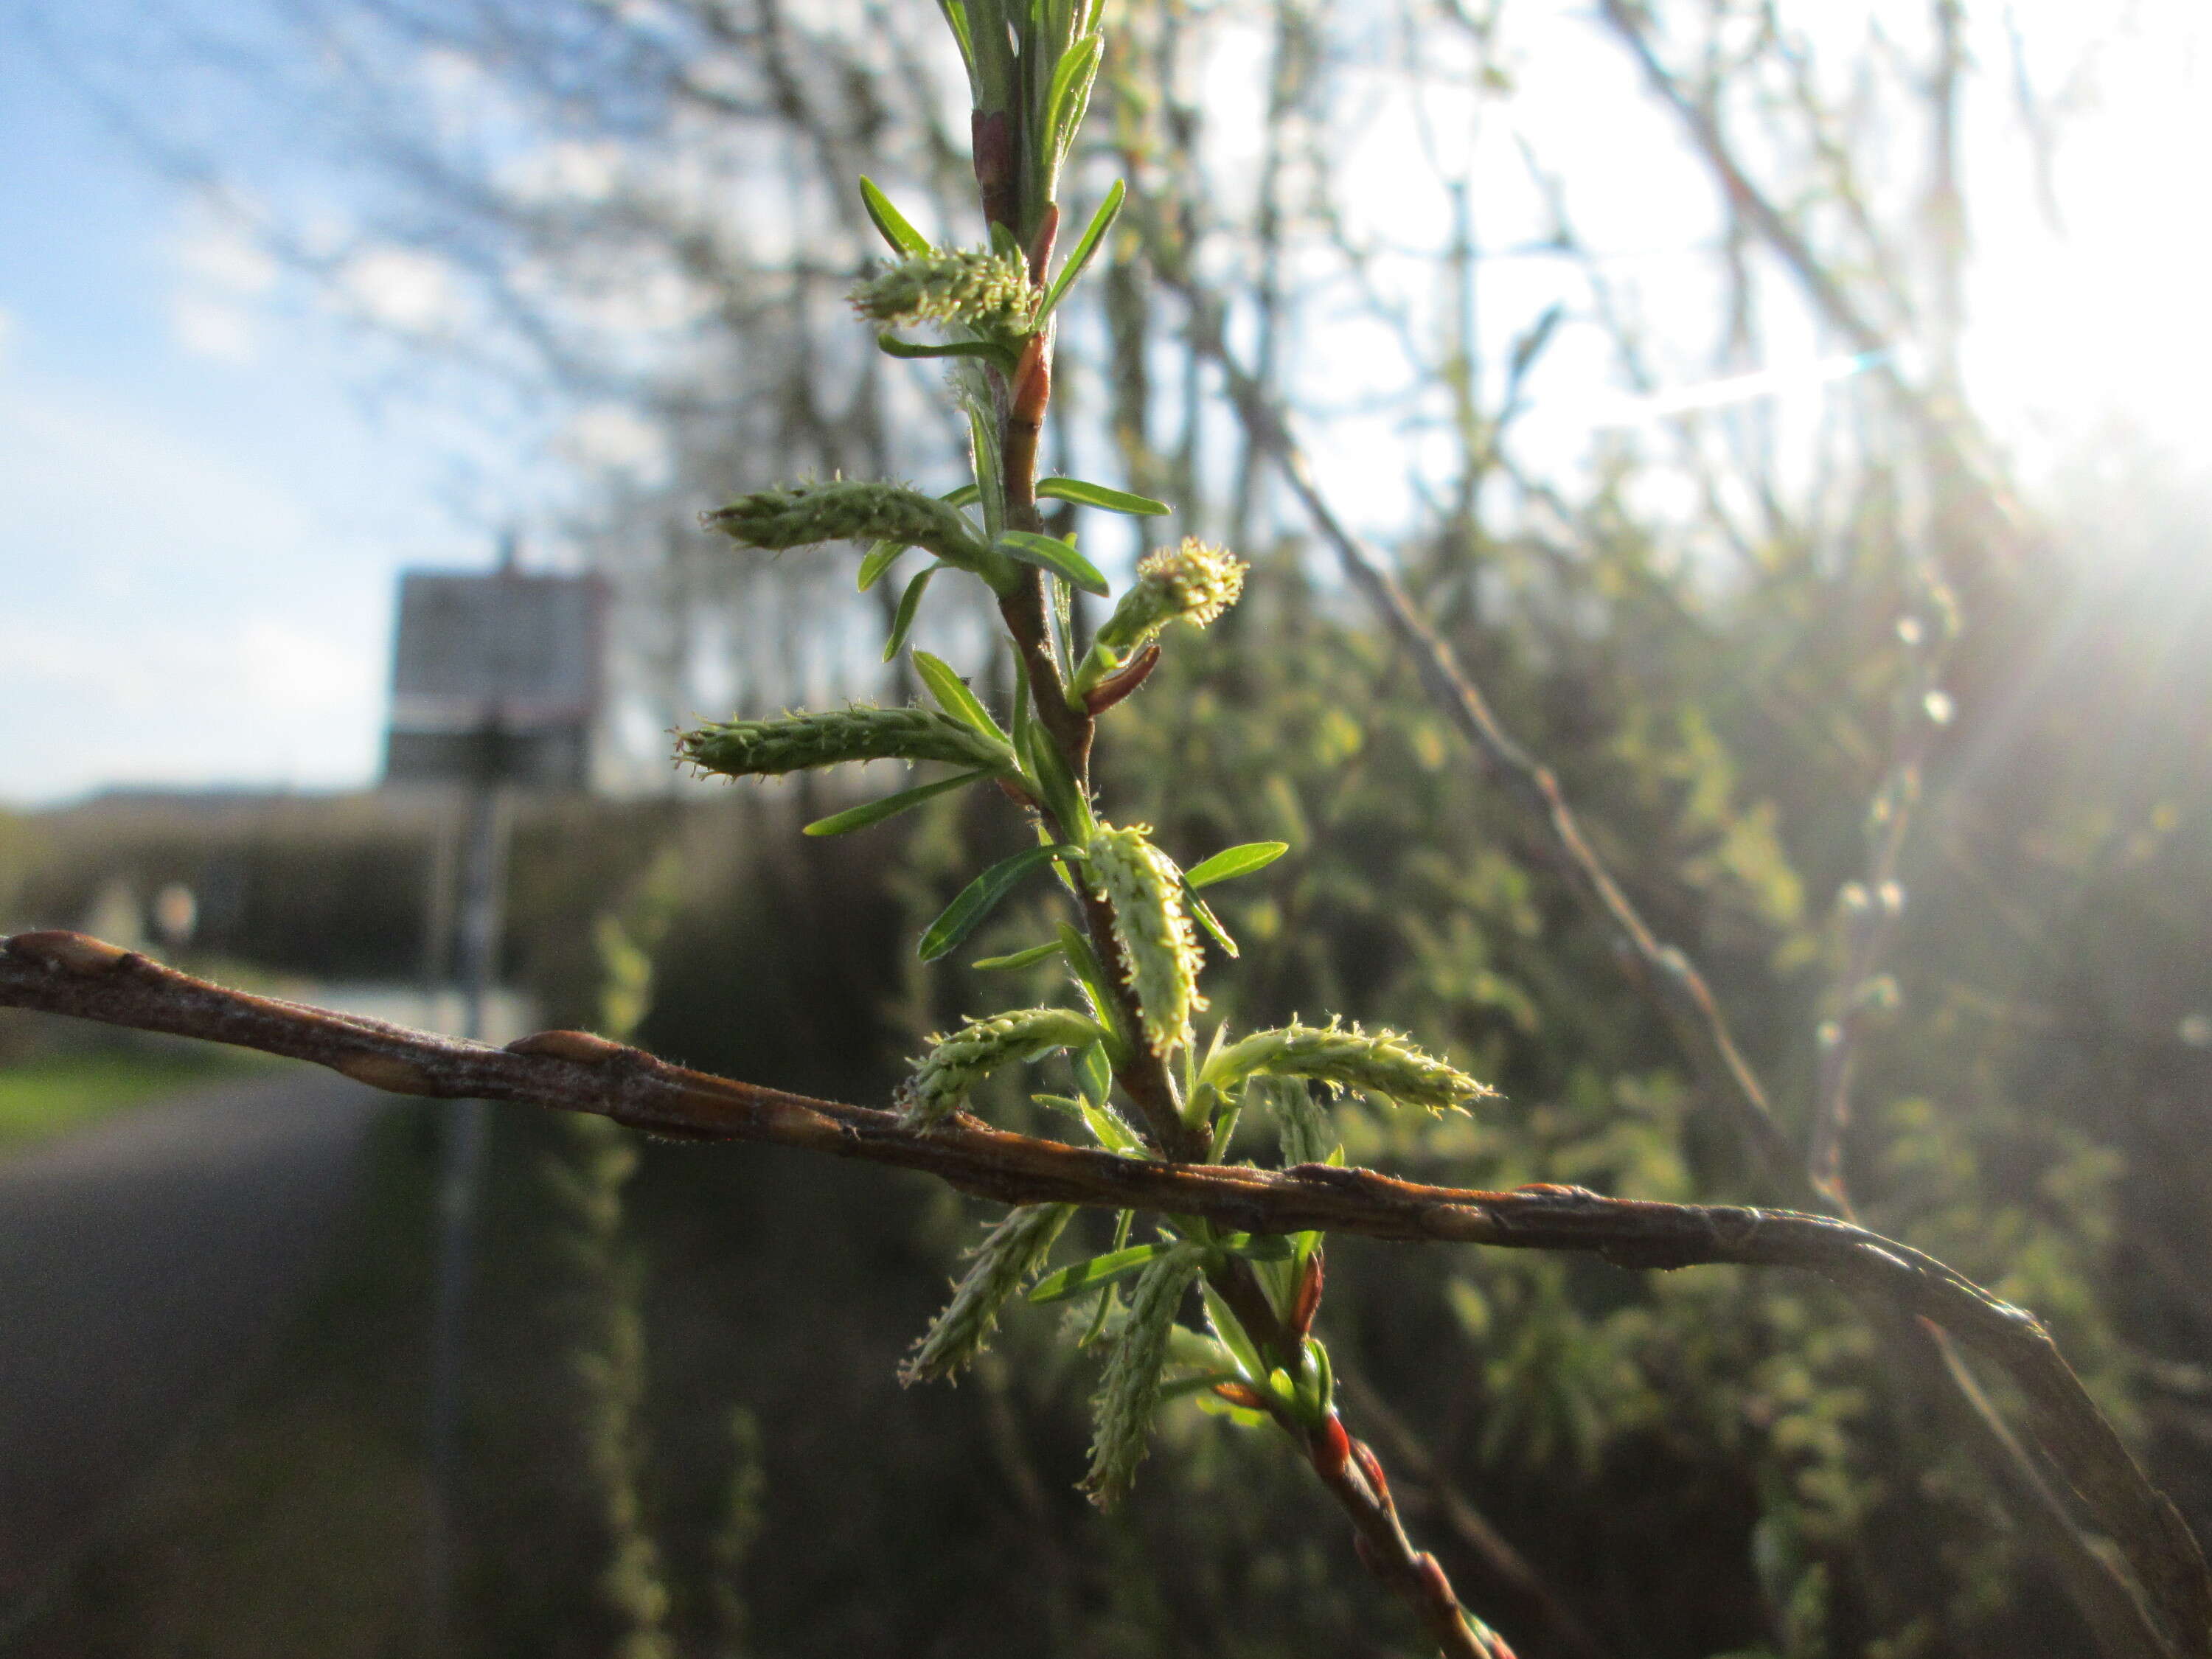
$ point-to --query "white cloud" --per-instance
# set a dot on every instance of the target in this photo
(617, 439)
(213, 328)
(569, 170)
(222, 257)
(403, 288)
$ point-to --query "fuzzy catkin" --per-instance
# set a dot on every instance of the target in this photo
(1130, 1391)
(803, 514)
(956, 1063)
(1195, 583)
(1001, 1265)
(1345, 1057)
(986, 291)
(1156, 938)
(794, 742)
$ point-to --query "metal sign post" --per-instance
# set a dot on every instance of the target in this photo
(494, 686)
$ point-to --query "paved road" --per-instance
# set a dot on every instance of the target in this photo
(139, 1262)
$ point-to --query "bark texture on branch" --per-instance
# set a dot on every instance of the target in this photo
(69, 974)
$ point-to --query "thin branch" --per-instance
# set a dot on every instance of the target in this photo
(68, 974)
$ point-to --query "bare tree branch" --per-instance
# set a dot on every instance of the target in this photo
(66, 973)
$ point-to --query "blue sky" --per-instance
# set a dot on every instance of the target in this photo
(203, 515)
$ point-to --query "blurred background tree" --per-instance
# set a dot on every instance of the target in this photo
(1687, 361)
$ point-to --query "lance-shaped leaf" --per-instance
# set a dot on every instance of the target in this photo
(1233, 862)
(889, 222)
(1097, 1272)
(1098, 495)
(1049, 553)
(999, 356)
(1027, 958)
(875, 811)
(909, 607)
(981, 896)
(1202, 913)
(1082, 253)
(879, 558)
(954, 698)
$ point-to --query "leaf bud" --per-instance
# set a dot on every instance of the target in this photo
(796, 742)
(1144, 888)
(956, 1063)
(1000, 1266)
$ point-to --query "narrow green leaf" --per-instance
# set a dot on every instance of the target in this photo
(880, 558)
(891, 346)
(966, 495)
(1035, 954)
(1070, 92)
(953, 696)
(1260, 1247)
(1232, 1334)
(1099, 1270)
(1048, 553)
(981, 896)
(1080, 255)
(889, 222)
(1236, 861)
(1093, 1070)
(860, 817)
(909, 606)
(1114, 1135)
(1202, 913)
(956, 14)
(1090, 495)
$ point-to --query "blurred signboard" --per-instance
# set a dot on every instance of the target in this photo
(495, 679)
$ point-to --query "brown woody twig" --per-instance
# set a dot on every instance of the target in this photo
(69, 974)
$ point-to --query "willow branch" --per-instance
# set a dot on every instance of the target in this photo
(570, 1071)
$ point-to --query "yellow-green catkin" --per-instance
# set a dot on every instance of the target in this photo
(1192, 583)
(842, 510)
(986, 291)
(1000, 1266)
(1130, 1391)
(957, 1063)
(1381, 1063)
(1154, 929)
(794, 742)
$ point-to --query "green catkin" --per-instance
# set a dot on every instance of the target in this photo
(803, 514)
(999, 1266)
(1130, 1391)
(1192, 583)
(1345, 1057)
(989, 292)
(956, 1063)
(1156, 938)
(795, 743)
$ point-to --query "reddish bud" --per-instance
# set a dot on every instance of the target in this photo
(1307, 1303)
(1242, 1394)
(1115, 687)
(1331, 1448)
(1040, 244)
(1371, 1467)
